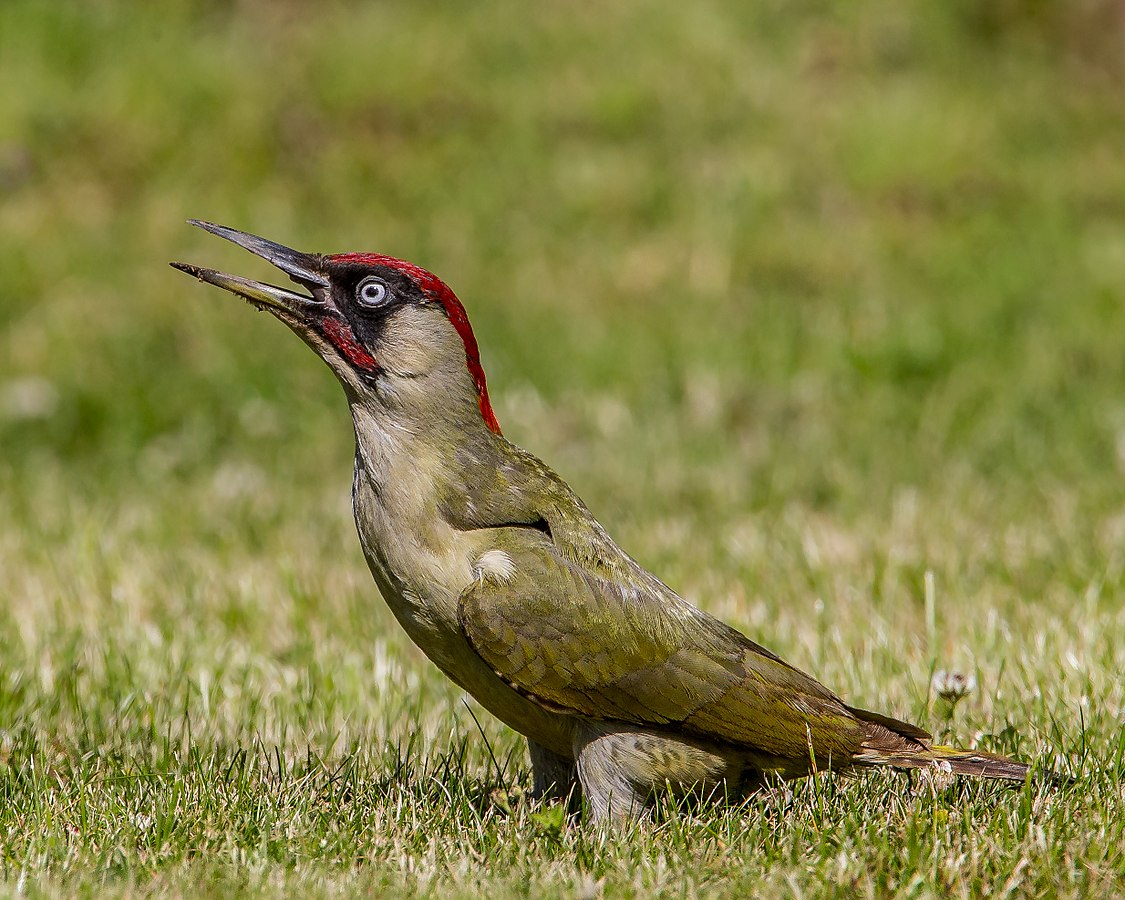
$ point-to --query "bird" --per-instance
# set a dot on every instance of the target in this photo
(497, 570)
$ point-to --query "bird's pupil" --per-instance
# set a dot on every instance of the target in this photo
(373, 292)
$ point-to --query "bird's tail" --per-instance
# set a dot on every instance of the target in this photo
(948, 759)
(977, 762)
(904, 746)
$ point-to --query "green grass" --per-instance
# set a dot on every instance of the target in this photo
(806, 300)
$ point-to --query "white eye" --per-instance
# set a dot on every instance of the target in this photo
(371, 292)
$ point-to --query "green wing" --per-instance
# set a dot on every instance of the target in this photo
(631, 650)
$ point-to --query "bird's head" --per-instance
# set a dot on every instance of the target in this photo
(394, 334)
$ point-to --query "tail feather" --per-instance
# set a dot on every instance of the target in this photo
(895, 726)
(949, 759)
(904, 746)
(979, 763)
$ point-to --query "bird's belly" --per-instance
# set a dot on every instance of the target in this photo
(426, 607)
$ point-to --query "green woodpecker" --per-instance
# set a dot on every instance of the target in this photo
(503, 578)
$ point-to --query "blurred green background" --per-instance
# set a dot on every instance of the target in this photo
(890, 237)
(805, 299)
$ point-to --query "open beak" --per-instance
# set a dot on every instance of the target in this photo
(302, 268)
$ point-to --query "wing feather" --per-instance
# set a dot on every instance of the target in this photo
(627, 651)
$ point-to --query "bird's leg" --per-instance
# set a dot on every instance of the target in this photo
(611, 776)
(621, 768)
(553, 776)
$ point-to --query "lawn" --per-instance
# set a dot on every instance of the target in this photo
(820, 307)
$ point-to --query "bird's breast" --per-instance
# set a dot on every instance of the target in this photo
(419, 562)
(421, 565)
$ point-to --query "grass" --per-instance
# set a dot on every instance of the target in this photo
(815, 306)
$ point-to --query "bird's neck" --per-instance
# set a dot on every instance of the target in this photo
(428, 486)
(426, 455)
(410, 487)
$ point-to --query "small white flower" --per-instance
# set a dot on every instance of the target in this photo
(953, 686)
